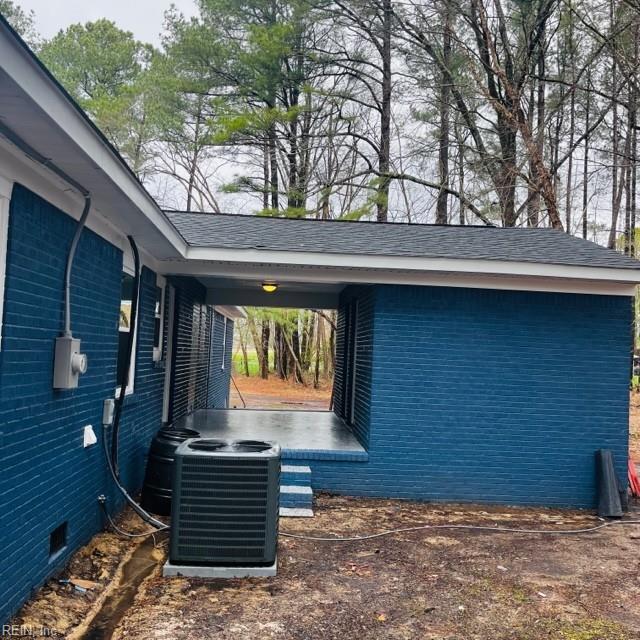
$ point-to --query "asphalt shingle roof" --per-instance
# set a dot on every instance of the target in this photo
(544, 246)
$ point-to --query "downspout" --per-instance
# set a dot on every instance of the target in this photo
(110, 445)
(123, 382)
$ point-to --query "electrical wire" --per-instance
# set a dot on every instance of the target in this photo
(122, 532)
(71, 255)
(149, 519)
(244, 404)
(467, 527)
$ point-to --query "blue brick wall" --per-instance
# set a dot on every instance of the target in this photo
(495, 396)
(47, 475)
(219, 376)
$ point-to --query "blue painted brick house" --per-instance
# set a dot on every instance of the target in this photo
(473, 363)
(49, 478)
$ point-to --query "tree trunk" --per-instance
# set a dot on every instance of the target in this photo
(266, 186)
(442, 212)
(319, 351)
(507, 176)
(585, 164)
(194, 160)
(298, 372)
(274, 186)
(384, 153)
(257, 342)
(264, 345)
(293, 199)
(280, 352)
(243, 347)
(568, 193)
(615, 143)
(537, 97)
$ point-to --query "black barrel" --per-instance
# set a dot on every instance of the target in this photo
(156, 492)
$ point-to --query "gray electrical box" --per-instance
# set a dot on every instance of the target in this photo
(68, 363)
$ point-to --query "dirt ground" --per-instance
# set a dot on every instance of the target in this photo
(67, 601)
(432, 584)
(278, 394)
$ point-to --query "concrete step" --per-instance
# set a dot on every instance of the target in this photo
(292, 495)
(294, 474)
(296, 495)
(293, 512)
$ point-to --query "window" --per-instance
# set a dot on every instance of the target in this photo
(224, 341)
(124, 330)
(158, 319)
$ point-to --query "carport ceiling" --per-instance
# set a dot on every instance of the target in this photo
(292, 294)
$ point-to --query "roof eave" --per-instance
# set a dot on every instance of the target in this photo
(410, 263)
(26, 70)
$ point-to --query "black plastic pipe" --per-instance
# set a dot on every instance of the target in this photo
(122, 383)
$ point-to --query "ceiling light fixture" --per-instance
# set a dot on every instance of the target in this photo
(269, 286)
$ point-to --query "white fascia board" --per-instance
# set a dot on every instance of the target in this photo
(417, 264)
(6, 187)
(17, 63)
(231, 312)
(343, 276)
(15, 166)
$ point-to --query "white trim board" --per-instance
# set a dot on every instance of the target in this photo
(409, 263)
(161, 283)
(5, 201)
(345, 276)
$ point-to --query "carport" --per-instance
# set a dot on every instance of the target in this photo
(460, 351)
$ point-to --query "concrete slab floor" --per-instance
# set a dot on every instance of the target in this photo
(319, 430)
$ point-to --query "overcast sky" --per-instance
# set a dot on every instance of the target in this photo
(143, 17)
